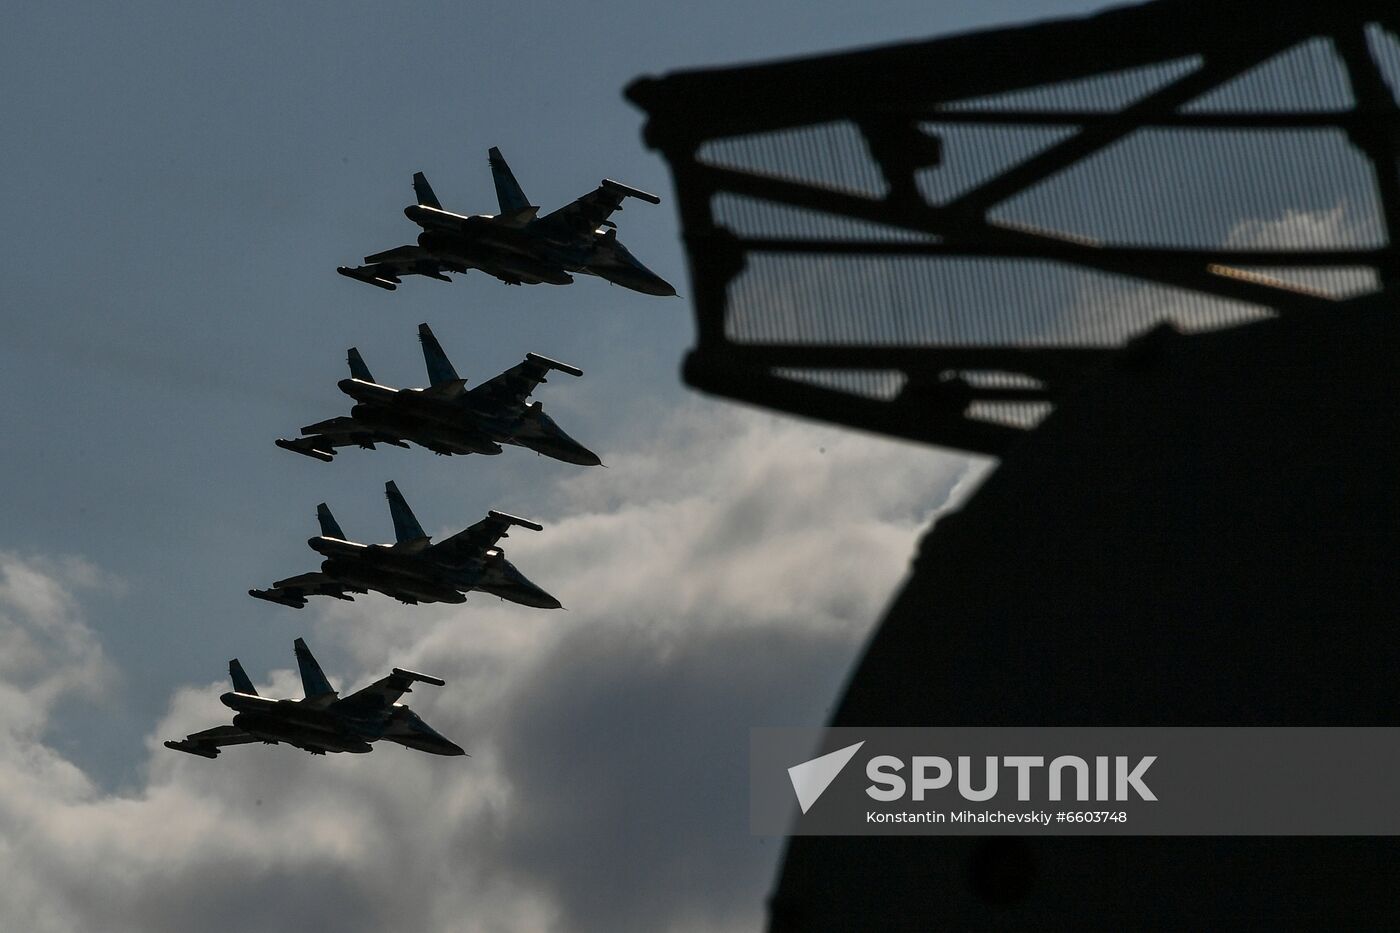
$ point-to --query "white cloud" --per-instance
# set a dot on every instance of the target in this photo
(1113, 310)
(46, 650)
(1340, 226)
(1343, 224)
(720, 576)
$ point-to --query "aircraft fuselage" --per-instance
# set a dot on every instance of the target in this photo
(296, 724)
(461, 424)
(529, 253)
(318, 729)
(410, 575)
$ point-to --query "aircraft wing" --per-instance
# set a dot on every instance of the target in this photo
(513, 386)
(206, 744)
(385, 269)
(581, 218)
(294, 590)
(472, 543)
(383, 693)
(321, 439)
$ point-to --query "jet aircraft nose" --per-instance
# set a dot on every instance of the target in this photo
(559, 445)
(426, 738)
(531, 595)
(646, 281)
(525, 592)
(575, 453)
(641, 279)
(436, 744)
(658, 286)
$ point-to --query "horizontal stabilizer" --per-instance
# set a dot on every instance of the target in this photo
(368, 276)
(294, 590)
(419, 678)
(307, 447)
(340, 423)
(554, 364)
(628, 191)
(206, 744)
(304, 581)
(515, 520)
(295, 600)
(194, 748)
(406, 253)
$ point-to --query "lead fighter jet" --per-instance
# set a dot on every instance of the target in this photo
(412, 570)
(515, 246)
(322, 721)
(446, 417)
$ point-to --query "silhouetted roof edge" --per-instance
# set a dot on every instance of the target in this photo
(772, 95)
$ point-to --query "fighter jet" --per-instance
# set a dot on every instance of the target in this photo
(322, 721)
(446, 417)
(412, 570)
(515, 245)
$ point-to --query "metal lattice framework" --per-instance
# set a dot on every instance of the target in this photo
(938, 240)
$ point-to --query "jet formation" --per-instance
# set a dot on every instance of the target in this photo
(516, 246)
(445, 417)
(412, 570)
(322, 721)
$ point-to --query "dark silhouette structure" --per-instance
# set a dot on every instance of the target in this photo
(1148, 258)
(938, 240)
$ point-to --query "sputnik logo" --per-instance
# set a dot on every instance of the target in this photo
(811, 778)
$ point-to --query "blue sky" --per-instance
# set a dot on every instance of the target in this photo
(181, 181)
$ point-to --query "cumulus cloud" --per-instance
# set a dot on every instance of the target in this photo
(720, 576)
(1114, 310)
(46, 649)
(1342, 225)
